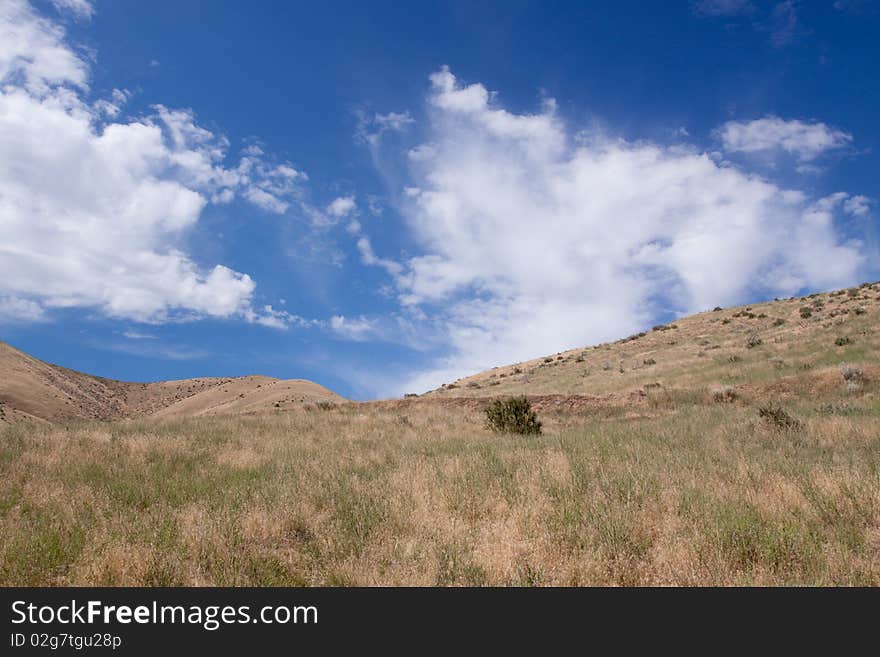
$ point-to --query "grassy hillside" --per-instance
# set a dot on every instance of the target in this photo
(717, 463)
(692, 492)
(805, 338)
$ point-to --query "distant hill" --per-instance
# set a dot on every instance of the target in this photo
(31, 389)
(792, 346)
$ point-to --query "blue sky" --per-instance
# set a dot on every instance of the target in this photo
(382, 197)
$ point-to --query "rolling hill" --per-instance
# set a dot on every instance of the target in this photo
(35, 390)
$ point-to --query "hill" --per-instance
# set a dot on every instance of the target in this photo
(35, 390)
(794, 347)
(733, 447)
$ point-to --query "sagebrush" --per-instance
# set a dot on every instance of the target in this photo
(512, 415)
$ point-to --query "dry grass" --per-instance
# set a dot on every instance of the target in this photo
(697, 493)
(701, 350)
(655, 469)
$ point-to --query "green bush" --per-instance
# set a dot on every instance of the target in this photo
(778, 417)
(512, 415)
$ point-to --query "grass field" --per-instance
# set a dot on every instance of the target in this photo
(689, 492)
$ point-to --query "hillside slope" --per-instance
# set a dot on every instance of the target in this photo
(35, 390)
(795, 345)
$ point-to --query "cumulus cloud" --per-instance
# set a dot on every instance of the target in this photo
(33, 54)
(534, 241)
(341, 207)
(804, 140)
(93, 209)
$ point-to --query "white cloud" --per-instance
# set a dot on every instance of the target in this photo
(111, 107)
(805, 141)
(13, 309)
(79, 8)
(858, 206)
(357, 329)
(390, 327)
(534, 241)
(369, 258)
(393, 120)
(341, 207)
(139, 335)
(33, 53)
(94, 211)
(370, 129)
(278, 319)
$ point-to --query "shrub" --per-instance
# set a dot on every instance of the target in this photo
(859, 311)
(410, 394)
(724, 394)
(725, 321)
(512, 415)
(852, 373)
(842, 341)
(754, 341)
(778, 322)
(649, 361)
(778, 417)
(777, 361)
(717, 309)
(806, 312)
